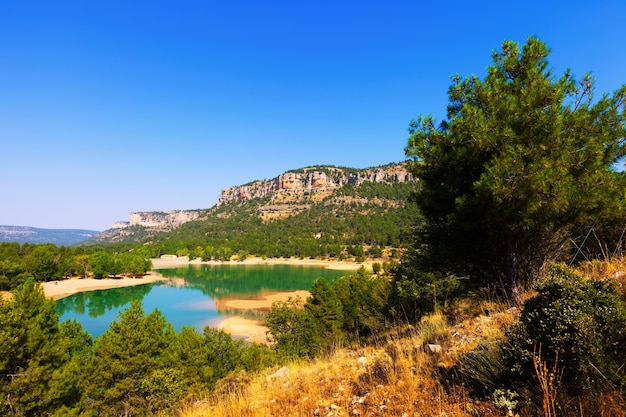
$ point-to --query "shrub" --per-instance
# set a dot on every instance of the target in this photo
(575, 327)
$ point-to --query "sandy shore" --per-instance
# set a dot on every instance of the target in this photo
(172, 262)
(251, 330)
(60, 289)
(261, 302)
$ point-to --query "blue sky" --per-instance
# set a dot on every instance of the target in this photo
(109, 107)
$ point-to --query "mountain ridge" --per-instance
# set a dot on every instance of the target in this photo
(59, 237)
(296, 193)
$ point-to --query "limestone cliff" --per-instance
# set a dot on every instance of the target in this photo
(167, 219)
(144, 224)
(314, 180)
(160, 219)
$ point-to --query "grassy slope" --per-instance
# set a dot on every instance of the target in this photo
(393, 376)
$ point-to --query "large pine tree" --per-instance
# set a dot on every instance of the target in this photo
(523, 158)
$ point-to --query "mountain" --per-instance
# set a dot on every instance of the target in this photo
(60, 237)
(313, 211)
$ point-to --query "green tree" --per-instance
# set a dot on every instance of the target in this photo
(43, 262)
(126, 364)
(38, 359)
(134, 264)
(327, 312)
(101, 264)
(293, 328)
(523, 158)
(363, 298)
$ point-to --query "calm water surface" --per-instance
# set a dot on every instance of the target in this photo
(189, 299)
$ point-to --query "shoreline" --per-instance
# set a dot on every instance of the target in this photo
(64, 288)
(173, 261)
(250, 330)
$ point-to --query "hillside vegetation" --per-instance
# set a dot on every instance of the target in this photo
(465, 360)
(340, 219)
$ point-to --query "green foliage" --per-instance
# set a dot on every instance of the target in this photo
(363, 298)
(46, 262)
(293, 329)
(515, 167)
(327, 313)
(417, 289)
(572, 327)
(43, 262)
(133, 264)
(102, 264)
(38, 360)
(349, 310)
(575, 325)
(128, 353)
(139, 366)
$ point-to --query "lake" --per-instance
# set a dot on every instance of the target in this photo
(192, 294)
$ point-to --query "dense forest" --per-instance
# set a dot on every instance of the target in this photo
(341, 225)
(47, 262)
(508, 192)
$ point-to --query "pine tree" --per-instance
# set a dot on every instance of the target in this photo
(37, 356)
(523, 158)
(327, 312)
(126, 358)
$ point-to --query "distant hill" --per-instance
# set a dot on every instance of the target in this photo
(313, 211)
(60, 237)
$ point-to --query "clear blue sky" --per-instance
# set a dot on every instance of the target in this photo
(109, 107)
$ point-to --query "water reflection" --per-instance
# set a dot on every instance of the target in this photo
(192, 294)
(219, 281)
(96, 303)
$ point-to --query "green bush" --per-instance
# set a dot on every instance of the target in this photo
(575, 326)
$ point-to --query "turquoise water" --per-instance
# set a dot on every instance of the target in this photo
(189, 299)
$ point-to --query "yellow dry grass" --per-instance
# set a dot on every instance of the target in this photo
(398, 375)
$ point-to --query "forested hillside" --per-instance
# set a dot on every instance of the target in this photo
(351, 212)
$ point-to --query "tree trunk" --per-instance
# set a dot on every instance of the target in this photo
(513, 281)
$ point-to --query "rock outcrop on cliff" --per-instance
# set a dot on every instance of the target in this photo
(144, 224)
(315, 180)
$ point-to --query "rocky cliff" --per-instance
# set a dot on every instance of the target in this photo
(288, 194)
(161, 219)
(314, 180)
(144, 224)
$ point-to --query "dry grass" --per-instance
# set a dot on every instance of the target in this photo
(603, 268)
(369, 383)
(398, 376)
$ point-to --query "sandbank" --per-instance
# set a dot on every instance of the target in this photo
(63, 288)
(172, 262)
(261, 302)
(251, 330)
